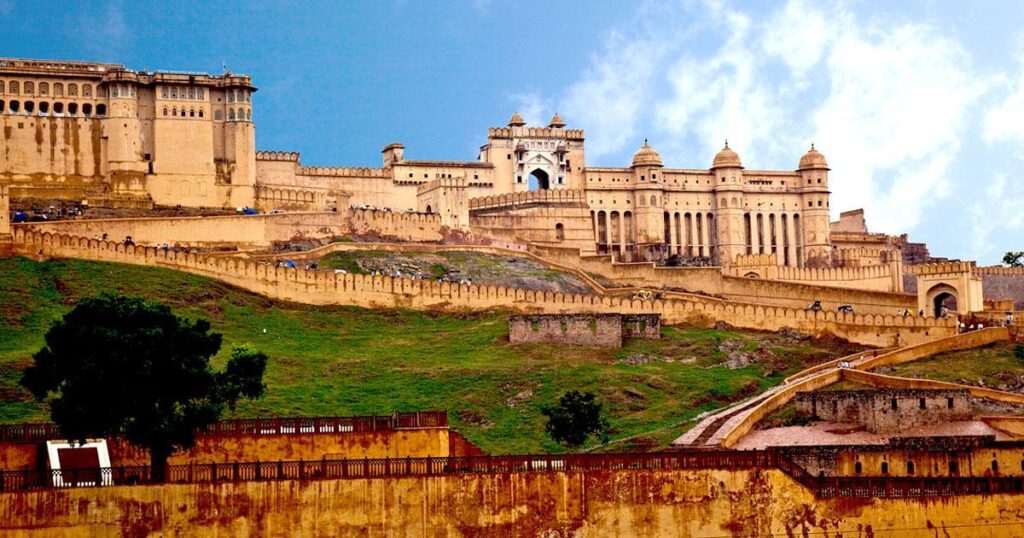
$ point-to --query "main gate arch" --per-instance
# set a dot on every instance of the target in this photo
(940, 284)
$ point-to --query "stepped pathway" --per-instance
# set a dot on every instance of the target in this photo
(709, 431)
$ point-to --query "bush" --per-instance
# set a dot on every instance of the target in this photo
(576, 417)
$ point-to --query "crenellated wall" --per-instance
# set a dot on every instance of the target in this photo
(314, 287)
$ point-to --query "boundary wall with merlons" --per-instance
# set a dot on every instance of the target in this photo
(317, 287)
(711, 281)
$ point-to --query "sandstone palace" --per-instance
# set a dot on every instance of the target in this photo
(109, 135)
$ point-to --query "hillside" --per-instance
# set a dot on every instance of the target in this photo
(344, 361)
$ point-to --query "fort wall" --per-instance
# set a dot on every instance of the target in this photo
(258, 230)
(689, 503)
(711, 281)
(314, 287)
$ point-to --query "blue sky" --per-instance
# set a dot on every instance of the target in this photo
(918, 105)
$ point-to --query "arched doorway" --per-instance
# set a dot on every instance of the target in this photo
(539, 180)
(942, 296)
(429, 209)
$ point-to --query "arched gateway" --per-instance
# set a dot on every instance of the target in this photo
(948, 287)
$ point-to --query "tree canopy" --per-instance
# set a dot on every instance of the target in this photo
(1014, 258)
(120, 366)
(576, 417)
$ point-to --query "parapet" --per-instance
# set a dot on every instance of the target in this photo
(512, 199)
(292, 156)
(942, 268)
(535, 132)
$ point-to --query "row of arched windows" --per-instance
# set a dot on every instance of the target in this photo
(45, 108)
(174, 92)
(241, 115)
(190, 113)
(29, 88)
(954, 467)
(239, 96)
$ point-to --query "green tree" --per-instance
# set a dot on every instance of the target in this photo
(1014, 258)
(1018, 351)
(576, 417)
(119, 366)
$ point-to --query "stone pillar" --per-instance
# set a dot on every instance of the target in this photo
(622, 235)
(790, 241)
(6, 240)
(672, 239)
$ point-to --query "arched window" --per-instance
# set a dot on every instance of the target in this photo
(14, 87)
(87, 109)
(163, 92)
(248, 114)
(165, 111)
(885, 467)
(101, 110)
(218, 115)
(559, 231)
(72, 90)
(910, 467)
(30, 88)
(174, 92)
(73, 109)
(58, 108)
(200, 93)
(231, 113)
(174, 111)
(44, 108)
(200, 113)
(44, 88)
(191, 93)
(87, 90)
(3, 87)
(30, 107)
(2, 110)
(191, 112)
(15, 107)
(231, 97)
(654, 200)
(58, 89)
(857, 468)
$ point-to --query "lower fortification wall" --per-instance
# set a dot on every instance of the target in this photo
(650, 503)
(711, 281)
(317, 287)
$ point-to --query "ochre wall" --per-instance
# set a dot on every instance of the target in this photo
(313, 287)
(260, 230)
(413, 443)
(668, 503)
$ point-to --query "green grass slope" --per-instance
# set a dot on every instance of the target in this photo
(345, 361)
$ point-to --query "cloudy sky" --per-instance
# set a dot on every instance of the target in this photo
(918, 105)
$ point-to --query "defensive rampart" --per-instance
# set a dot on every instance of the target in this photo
(710, 280)
(314, 287)
(258, 230)
(618, 500)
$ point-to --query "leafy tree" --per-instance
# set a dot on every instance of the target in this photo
(118, 365)
(1014, 258)
(1018, 351)
(576, 417)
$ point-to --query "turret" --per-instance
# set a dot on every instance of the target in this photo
(727, 170)
(556, 122)
(516, 120)
(649, 198)
(393, 153)
(813, 170)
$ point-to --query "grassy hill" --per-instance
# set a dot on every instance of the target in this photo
(344, 361)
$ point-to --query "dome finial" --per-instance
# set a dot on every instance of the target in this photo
(726, 142)
(812, 145)
(645, 142)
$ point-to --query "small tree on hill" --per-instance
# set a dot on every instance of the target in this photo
(576, 417)
(119, 366)
(1014, 258)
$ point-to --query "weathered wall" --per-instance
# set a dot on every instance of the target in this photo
(604, 330)
(313, 287)
(228, 448)
(931, 457)
(593, 503)
(886, 411)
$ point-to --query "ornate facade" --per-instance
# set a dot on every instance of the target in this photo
(111, 135)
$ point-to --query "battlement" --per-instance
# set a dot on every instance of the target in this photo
(292, 156)
(942, 268)
(513, 199)
(62, 67)
(330, 171)
(535, 132)
(755, 260)
(999, 270)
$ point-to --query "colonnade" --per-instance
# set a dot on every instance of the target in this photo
(778, 234)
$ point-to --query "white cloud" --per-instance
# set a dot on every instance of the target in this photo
(531, 106)
(999, 211)
(887, 101)
(1003, 120)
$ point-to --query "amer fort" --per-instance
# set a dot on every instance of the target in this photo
(158, 173)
